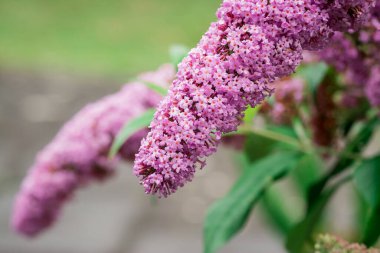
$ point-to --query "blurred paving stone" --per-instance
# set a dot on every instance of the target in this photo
(33, 107)
(164, 233)
(94, 222)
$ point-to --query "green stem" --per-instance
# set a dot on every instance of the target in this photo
(277, 209)
(303, 136)
(268, 134)
(355, 146)
(301, 235)
(342, 154)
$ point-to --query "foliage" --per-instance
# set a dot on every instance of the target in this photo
(315, 186)
(366, 178)
(228, 215)
(129, 129)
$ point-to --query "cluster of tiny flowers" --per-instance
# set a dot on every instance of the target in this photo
(347, 15)
(331, 244)
(253, 43)
(355, 54)
(78, 154)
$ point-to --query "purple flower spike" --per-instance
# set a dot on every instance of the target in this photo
(253, 43)
(355, 55)
(78, 154)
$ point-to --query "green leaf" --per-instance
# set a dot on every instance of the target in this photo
(177, 53)
(250, 114)
(276, 208)
(275, 203)
(299, 238)
(372, 229)
(260, 142)
(367, 178)
(313, 73)
(157, 88)
(257, 147)
(307, 172)
(361, 213)
(228, 215)
(129, 129)
(282, 214)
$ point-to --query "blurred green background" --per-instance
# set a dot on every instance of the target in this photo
(114, 37)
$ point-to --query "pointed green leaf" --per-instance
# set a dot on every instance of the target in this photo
(250, 114)
(129, 129)
(300, 236)
(257, 147)
(157, 88)
(177, 53)
(281, 213)
(313, 73)
(307, 172)
(367, 178)
(372, 228)
(228, 215)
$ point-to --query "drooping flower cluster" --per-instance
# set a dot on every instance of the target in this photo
(332, 244)
(253, 43)
(356, 55)
(78, 154)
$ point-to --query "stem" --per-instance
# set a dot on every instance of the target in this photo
(301, 234)
(343, 154)
(270, 135)
(356, 146)
(302, 135)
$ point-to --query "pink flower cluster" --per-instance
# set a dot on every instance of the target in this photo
(356, 55)
(347, 15)
(78, 154)
(253, 43)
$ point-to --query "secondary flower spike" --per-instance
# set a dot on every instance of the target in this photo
(253, 43)
(355, 54)
(78, 154)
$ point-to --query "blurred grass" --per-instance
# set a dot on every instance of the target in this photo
(114, 37)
